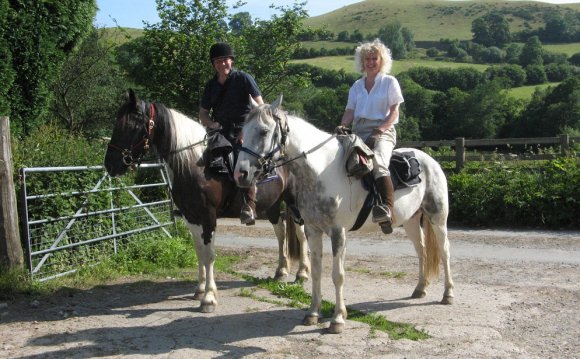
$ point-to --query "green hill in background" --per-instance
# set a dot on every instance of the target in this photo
(432, 20)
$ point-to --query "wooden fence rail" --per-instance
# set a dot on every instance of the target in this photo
(460, 144)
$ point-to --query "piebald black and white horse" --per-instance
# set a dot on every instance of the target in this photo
(201, 196)
(330, 202)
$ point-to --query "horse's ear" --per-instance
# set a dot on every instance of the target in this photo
(253, 102)
(276, 104)
(131, 98)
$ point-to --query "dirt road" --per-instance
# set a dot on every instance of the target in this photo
(517, 295)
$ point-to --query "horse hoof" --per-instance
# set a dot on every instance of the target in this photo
(280, 275)
(301, 277)
(198, 295)
(418, 294)
(207, 308)
(310, 320)
(336, 328)
(447, 300)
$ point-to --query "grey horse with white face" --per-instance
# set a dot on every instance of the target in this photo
(330, 201)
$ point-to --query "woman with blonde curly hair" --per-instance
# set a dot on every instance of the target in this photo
(373, 110)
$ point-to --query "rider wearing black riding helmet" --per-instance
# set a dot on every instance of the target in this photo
(224, 105)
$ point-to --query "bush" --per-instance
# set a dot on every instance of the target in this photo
(494, 196)
(535, 75)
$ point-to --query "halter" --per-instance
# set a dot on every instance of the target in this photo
(266, 165)
(127, 153)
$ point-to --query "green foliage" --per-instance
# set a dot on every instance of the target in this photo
(397, 38)
(526, 196)
(551, 110)
(86, 90)
(513, 75)
(491, 30)
(152, 255)
(51, 146)
(41, 34)
(532, 52)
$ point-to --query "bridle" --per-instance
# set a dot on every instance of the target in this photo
(127, 153)
(266, 164)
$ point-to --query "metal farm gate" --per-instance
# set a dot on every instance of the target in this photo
(77, 216)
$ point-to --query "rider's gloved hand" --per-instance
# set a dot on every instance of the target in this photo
(341, 130)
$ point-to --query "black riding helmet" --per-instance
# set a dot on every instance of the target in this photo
(221, 49)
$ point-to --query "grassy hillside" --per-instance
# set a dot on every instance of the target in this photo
(346, 63)
(431, 20)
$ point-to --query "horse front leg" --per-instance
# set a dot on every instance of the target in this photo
(338, 240)
(207, 257)
(283, 261)
(198, 244)
(315, 244)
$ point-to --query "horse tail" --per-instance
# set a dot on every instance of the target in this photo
(433, 256)
(292, 241)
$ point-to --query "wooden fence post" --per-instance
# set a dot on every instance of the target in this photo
(564, 144)
(459, 153)
(11, 254)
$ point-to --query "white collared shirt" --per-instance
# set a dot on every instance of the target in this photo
(374, 105)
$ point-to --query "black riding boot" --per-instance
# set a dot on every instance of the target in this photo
(248, 213)
(383, 212)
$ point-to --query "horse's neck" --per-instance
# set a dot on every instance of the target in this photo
(181, 141)
(320, 148)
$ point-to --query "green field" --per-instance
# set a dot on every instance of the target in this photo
(346, 63)
(525, 92)
(568, 49)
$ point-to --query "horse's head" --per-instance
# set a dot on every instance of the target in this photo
(131, 135)
(264, 138)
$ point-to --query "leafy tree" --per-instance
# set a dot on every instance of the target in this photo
(392, 36)
(38, 36)
(491, 30)
(557, 29)
(178, 68)
(86, 91)
(266, 48)
(553, 111)
(177, 71)
(575, 59)
(7, 72)
(324, 108)
(513, 75)
(532, 52)
(481, 113)
(343, 36)
(558, 72)
(239, 22)
(535, 75)
(512, 53)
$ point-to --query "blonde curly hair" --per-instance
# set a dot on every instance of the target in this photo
(377, 47)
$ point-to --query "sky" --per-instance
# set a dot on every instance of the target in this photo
(132, 13)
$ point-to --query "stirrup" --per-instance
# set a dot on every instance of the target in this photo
(247, 216)
(381, 213)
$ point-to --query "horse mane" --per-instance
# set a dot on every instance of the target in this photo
(184, 137)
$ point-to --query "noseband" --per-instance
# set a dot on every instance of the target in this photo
(127, 153)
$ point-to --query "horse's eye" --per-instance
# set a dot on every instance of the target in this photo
(263, 132)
